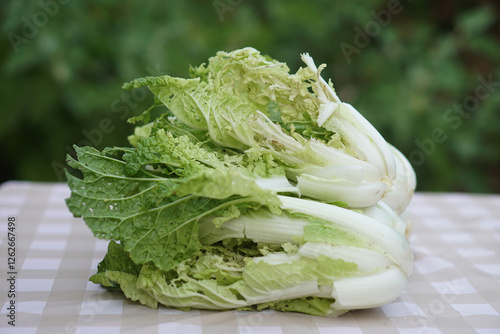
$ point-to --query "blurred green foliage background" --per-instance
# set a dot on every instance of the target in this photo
(425, 73)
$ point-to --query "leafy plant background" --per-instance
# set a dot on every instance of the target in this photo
(61, 83)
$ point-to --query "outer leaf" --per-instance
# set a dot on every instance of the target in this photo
(141, 212)
(156, 218)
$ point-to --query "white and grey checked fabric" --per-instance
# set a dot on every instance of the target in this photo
(454, 287)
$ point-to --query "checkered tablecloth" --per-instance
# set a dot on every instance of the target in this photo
(454, 287)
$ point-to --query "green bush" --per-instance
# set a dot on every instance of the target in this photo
(407, 66)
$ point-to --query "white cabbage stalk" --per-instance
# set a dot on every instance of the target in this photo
(401, 192)
(397, 178)
(393, 243)
(370, 291)
(354, 127)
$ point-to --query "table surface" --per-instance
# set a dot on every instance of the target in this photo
(454, 287)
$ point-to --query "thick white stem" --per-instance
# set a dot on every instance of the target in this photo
(404, 184)
(379, 142)
(352, 174)
(369, 291)
(379, 153)
(382, 235)
(279, 184)
(276, 230)
(356, 196)
(339, 158)
(385, 214)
